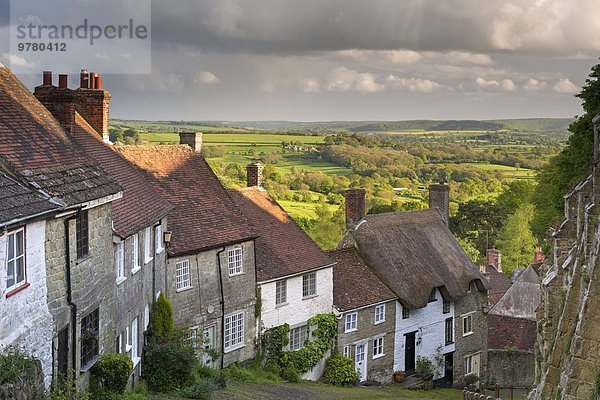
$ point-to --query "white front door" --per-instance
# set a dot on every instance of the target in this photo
(360, 361)
(476, 364)
(208, 342)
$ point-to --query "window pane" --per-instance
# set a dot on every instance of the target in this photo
(11, 247)
(20, 242)
(20, 269)
(10, 280)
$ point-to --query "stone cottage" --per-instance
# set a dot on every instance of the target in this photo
(294, 276)
(367, 316)
(78, 248)
(441, 294)
(210, 275)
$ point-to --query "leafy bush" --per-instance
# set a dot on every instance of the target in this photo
(13, 361)
(65, 389)
(111, 372)
(424, 367)
(161, 318)
(339, 370)
(290, 374)
(471, 379)
(168, 365)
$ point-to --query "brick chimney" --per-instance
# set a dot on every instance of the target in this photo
(90, 100)
(254, 174)
(60, 101)
(494, 257)
(355, 207)
(439, 197)
(538, 256)
(192, 139)
(93, 102)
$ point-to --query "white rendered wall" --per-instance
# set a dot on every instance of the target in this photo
(429, 322)
(297, 311)
(24, 317)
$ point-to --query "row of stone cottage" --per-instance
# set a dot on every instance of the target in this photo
(91, 234)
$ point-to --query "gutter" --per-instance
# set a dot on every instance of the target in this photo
(222, 307)
(70, 301)
(308, 271)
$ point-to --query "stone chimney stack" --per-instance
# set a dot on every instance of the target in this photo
(93, 102)
(192, 139)
(439, 197)
(538, 256)
(254, 174)
(355, 207)
(60, 101)
(494, 257)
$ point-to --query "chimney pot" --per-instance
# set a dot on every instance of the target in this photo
(98, 83)
(63, 81)
(84, 79)
(47, 80)
(538, 256)
(192, 139)
(355, 207)
(494, 257)
(439, 197)
(93, 76)
(254, 174)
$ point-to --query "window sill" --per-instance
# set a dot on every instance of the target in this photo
(127, 348)
(236, 274)
(136, 361)
(378, 356)
(312, 296)
(135, 269)
(379, 322)
(467, 334)
(121, 280)
(147, 260)
(281, 305)
(89, 365)
(160, 250)
(351, 330)
(83, 259)
(17, 289)
(184, 289)
(233, 348)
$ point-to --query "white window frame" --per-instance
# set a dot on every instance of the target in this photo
(298, 337)
(281, 293)
(467, 329)
(235, 261)
(16, 257)
(158, 239)
(379, 314)
(148, 245)
(351, 322)
(234, 331)
(134, 342)
(146, 317)
(135, 254)
(469, 365)
(378, 348)
(120, 262)
(127, 340)
(309, 285)
(346, 351)
(182, 275)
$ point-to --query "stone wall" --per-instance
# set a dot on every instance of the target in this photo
(29, 386)
(511, 368)
(380, 369)
(199, 306)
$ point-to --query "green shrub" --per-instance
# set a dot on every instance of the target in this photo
(168, 365)
(13, 361)
(111, 372)
(65, 389)
(289, 374)
(200, 390)
(255, 375)
(161, 318)
(339, 370)
(140, 392)
(471, 379)
(424, 367)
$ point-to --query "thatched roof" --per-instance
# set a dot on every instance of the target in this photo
(413, 252)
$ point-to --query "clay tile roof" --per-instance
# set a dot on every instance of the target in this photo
(18, 201)
(506, 332)
(204, 214)
(141, 204)
(414, 252)
(498, 284)
(283, 248)
(354, 284)
(34, 146)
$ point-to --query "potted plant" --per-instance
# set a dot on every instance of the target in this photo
(399, 376)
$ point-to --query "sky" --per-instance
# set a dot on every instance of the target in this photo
(324, 60)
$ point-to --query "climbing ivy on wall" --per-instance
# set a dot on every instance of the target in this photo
(275, 340)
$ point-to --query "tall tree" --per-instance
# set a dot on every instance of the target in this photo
(572, 164)
(516, 240)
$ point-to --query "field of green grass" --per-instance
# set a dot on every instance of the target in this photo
(508, 172)
(229, 139)
(299, 209)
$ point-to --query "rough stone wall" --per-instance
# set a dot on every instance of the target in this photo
(568, 349)
(30, 385)
(474, 343)
(511, 368)
(25, 320)
(93, 281)
(380, 369)
(200, 305)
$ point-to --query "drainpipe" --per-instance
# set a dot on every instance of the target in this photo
(222, 307)
(69, 290)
